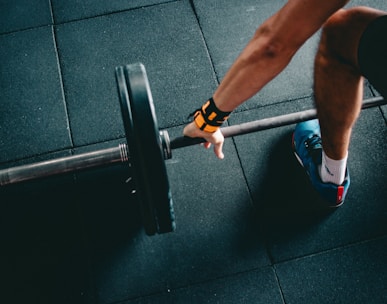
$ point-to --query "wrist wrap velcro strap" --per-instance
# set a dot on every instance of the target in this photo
(209, 118)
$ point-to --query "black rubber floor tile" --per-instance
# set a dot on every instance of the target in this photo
(172, 50)
(355, 274)
(252, 287)
(76, 9)
(48, 225)
(23, 14)
(384, 111)
(43, 258)
(294, 223)
(227, 28)
(378, 4)
(33, 117)
(216, 233)
(259, 151)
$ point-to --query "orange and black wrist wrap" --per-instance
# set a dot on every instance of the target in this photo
(209, 118)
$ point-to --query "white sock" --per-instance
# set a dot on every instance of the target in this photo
(333, 171)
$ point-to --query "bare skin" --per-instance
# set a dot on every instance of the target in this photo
(269, 52)
(265, 56)
(338, 83)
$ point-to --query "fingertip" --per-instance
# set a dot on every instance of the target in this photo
(219, 154)
(207, 145)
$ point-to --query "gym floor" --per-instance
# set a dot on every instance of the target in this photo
(247, 231)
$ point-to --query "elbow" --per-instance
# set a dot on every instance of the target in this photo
(270, 46)
(273, 49)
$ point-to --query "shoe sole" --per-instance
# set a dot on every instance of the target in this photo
(295, 153)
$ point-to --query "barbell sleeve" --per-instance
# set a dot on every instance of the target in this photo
(266, 123)
(64, 165)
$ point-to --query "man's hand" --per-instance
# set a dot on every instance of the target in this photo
(216, 138)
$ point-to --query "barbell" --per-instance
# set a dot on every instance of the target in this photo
(146, 148)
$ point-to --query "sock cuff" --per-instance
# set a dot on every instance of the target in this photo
(332, 170)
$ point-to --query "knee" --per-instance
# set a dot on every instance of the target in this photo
(335, 31)
(329, 48)
(342, 31)
(339, 21)
(354, 18)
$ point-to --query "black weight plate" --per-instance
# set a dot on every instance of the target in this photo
(147, 210)
(148, 143)
(149, 163)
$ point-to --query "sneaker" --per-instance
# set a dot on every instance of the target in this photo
(308, 151)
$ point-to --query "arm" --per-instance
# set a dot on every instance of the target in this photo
(266, 55)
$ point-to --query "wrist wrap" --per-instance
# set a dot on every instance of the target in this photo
(209, 118)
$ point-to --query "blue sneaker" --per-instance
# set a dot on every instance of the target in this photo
(308, 151)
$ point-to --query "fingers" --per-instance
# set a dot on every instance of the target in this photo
(207, 145)
(216, 138)
(218, 149)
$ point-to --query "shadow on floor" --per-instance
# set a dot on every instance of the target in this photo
(286, 204)
(50, 233)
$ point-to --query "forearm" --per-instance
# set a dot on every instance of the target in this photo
(271, 49)
(260, 62)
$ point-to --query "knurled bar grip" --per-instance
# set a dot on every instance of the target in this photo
(266, 123)
(63, 165)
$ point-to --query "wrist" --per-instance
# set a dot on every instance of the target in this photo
(209, 118)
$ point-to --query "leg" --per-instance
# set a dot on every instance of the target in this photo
(338, 79)
(322, 146)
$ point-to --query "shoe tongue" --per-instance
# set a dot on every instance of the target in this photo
(314, 142)
(315, 148)
(316, 154)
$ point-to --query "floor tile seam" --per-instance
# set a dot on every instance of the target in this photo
(54, 24)
(71, 149)
(26, 29)
(32, 158)
(207, 49)
(195, 284)
(259, 106)
(262, 107)
(239, 111)
(384, 115)
(33, 27)
(331, 250)
(51, 11)
(279, 285)
(112, 13)
(60, 73)
(267, 106)
(250, 192)
(376, 94)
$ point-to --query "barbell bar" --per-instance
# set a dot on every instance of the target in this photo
(147, 148)
(105, 157)
(267, 123)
